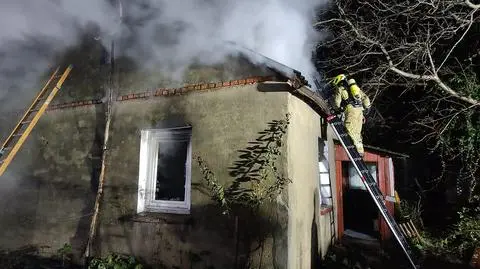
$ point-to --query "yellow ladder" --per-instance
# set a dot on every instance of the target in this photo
(24, 127)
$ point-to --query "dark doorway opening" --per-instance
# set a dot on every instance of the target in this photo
(360, 212)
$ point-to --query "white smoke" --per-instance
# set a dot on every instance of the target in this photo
(156, 33)
(177, 32)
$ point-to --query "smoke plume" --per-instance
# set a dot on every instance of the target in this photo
(177, 32)
(170, 34)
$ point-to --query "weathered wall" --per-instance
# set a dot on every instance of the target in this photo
(223, 122)
(47, 192)
(302, 151)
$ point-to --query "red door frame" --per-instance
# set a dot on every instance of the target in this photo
(384, 180)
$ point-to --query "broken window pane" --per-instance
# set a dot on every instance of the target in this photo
(171, 173)
(355, 182)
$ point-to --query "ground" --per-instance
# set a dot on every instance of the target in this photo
(365, 256)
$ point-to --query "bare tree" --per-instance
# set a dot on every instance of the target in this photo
(426, 46)
(400, 43)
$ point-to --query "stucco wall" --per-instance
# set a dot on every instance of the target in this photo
(223, 122)
(52, 197)
(303, 197)
(46, 193)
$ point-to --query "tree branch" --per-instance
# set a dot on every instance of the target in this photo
(458, 41)
(472, 5)
(405, 74)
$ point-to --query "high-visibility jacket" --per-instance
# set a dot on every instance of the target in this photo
(352, 101)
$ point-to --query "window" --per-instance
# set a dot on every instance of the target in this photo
(165, 170)
(324, 174)
(354, 180)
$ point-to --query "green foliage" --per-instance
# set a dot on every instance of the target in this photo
(459, 241)
(257, 171)
(468, 83)
(115, 261)
(410, 210)
(218, 192)
(65, 253)
(459, 140)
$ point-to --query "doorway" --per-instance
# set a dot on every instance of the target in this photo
(356, 210)
(359, 211)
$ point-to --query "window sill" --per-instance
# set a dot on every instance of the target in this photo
(325, 209)
(165, 218)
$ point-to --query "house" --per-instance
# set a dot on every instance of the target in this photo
(168, 147)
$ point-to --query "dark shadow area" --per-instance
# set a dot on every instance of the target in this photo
(204, 239)
(360, 212)
(94, 163)
(312, 99)
(254, 159)
(314, 249)
(253, 217)
(360, 254)
(173, 121)
(89, 75)
(27, 258)
(18, 209)
(274, 87)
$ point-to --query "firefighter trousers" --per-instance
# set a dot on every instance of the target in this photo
(354, 124)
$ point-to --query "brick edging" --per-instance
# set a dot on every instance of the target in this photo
(75, 104)
(193, 87)
(167, 91)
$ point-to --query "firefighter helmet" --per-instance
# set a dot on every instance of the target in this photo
(336, 80)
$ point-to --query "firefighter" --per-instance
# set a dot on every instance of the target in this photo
(355, 104)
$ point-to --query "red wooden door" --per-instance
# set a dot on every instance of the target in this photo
(385, 181)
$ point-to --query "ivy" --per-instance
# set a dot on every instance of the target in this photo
(257, 176)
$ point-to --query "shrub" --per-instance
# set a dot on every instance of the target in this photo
(115, 261)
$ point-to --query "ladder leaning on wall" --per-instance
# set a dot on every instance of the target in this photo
(316, 98)
(24, 127)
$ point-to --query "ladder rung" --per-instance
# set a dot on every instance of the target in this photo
(18, 134)
(26, 122)
(369, 181)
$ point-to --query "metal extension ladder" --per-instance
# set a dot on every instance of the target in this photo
(24, 127)
(347, 143)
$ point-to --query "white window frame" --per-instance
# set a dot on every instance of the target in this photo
(324, 182)
(149, 144)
